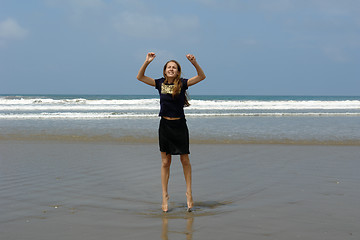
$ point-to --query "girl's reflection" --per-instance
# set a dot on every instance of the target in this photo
(188, 232)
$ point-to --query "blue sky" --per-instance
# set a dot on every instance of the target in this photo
(258, 47)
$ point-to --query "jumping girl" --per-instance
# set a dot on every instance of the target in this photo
(173, 131)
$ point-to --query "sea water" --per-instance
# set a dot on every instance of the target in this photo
(218, 119)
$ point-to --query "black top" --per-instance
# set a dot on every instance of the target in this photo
(169, 106)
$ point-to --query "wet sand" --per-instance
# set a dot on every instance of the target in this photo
(98, 190)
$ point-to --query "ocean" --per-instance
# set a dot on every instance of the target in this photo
(211, 119)
(263, 167)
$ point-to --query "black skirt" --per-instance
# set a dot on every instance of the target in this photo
(174, 136)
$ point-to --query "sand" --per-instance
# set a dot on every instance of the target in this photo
(97, 190)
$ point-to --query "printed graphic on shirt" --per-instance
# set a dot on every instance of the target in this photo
(167, 89)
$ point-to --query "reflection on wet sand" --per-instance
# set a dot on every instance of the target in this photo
(188, 232)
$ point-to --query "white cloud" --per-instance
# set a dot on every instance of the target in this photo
(79, 11)
(329, 7)
(132, 4)
(11, 30)
(155, 27)
(140, 25)
(77, 4)
(233, 5)
(209, 3)
(277, 5)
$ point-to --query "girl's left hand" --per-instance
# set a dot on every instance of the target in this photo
(191, 58)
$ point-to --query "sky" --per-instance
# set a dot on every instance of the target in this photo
(257, 47)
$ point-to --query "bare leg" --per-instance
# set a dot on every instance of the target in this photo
(187, 174)
(165, 174)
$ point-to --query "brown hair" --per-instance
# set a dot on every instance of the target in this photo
(177, 82)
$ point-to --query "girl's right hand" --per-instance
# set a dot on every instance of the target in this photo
(150, 56)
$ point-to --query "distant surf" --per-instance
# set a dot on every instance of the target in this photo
(95, 107)
(211, 119)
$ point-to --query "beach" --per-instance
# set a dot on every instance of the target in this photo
(76, 189)
(264, 167)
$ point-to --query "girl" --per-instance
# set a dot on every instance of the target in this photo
(173, 131)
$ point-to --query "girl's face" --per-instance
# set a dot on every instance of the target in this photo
(171, 70)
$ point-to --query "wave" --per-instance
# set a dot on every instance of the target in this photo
(62, 107)
(113, 115)
(272, 105)
(76, 101)
(153, 104)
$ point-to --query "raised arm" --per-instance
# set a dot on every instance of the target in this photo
(200, 73)
(141, 74)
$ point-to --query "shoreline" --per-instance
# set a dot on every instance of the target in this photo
(106, 138)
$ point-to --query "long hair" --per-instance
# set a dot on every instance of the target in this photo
(177, 83)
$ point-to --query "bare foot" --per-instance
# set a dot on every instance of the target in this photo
(190, 202)
(164, 205)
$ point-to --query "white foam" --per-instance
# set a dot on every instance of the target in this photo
(44, 104)
(107, 115)
(77, 104)
(80, 108)
(73, 115)
(273, 105)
